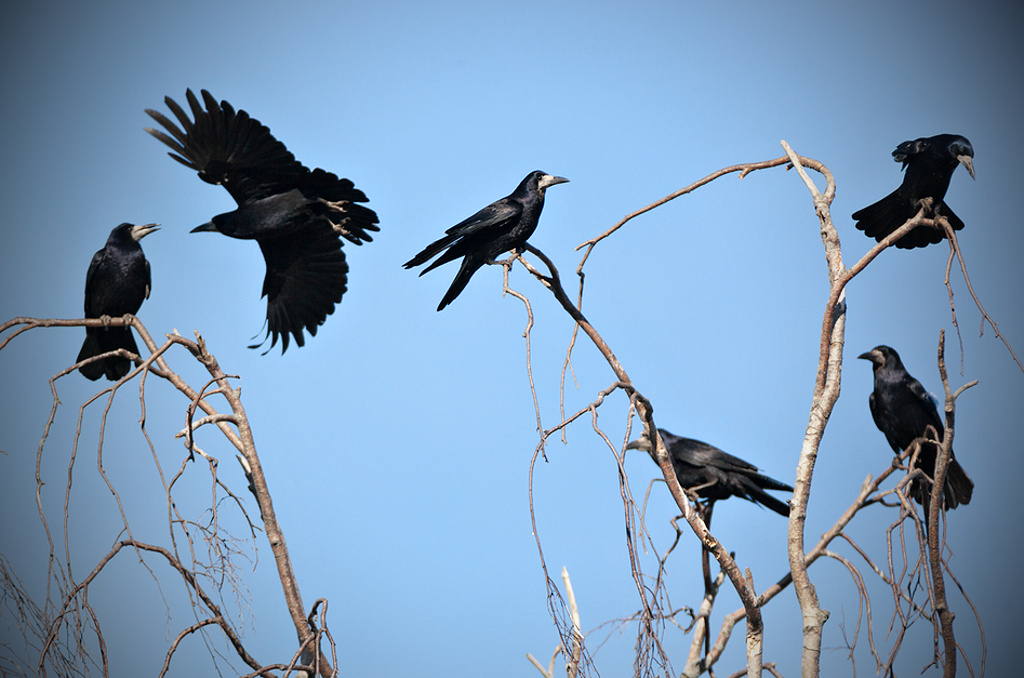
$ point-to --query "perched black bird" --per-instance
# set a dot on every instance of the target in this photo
(296, 215)
(116, 284)
(903, 410)
(501, 226)
(713, 474)
(929, 164)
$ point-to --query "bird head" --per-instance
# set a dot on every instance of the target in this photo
(645, 444)
(881, 356)
(641, 443)
(550, 180)
(961, 149)
(124, 233)
(543, 180)
(222, 223)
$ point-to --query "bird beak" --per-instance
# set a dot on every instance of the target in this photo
(208, 226)
(641, 443)
(141, 231)
(873, 355)
(968, 162)
(549, 180)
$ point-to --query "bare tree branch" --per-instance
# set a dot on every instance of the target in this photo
(72, 605)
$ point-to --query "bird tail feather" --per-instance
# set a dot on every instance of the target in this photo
(103, 340)
(766, 483)
(466, 272)
(892, 211)
(883, 217)
(959, 486)
(429, 251)
(756, 494)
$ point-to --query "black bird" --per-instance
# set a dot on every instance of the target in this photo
(929, 163)
(713, 474)
(296, 215)
(903, 410)
(501, 226)
(116, 284)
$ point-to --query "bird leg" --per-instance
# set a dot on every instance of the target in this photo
(338, 213)
(930, 209)
(341, 228)
(697, 488)
(491, 261)
(704, 510)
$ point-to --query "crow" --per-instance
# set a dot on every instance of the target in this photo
(713, 474)
(903, 411)
(929, 163)
(296, 215)
(117, 283)
(501, 226)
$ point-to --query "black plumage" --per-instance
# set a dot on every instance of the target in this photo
(903, 411)
(929, 163)
(502, 226)
(713, 474)
(117, 283)
(297, 216)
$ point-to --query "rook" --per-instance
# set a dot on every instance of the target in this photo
(296, 215)
(501, 226)
(903, 411)
(713, 474)
(929, 164)
(117, 283)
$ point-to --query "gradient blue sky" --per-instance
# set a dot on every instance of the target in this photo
(397, 442)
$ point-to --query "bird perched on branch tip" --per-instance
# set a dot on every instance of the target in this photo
(117, 283)
(929, 163)
(502, 226)
(903, 411)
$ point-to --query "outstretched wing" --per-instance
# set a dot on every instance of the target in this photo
(229, 148)
(306, 276)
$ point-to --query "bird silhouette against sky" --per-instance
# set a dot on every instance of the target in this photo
(297, 216)
(502, 226)
(929, 164)
(903, 411)
(116, 284)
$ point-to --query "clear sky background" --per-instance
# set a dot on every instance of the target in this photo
(397, 442)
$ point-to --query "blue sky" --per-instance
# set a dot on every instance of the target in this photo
(397, 442)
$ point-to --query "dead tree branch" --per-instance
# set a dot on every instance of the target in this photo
(645, 412)
(73, 596)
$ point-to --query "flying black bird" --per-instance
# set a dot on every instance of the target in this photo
(929, 164)
(903, 410)
(713, 474)
(116, 284)
(501, 226)
(296, 215)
